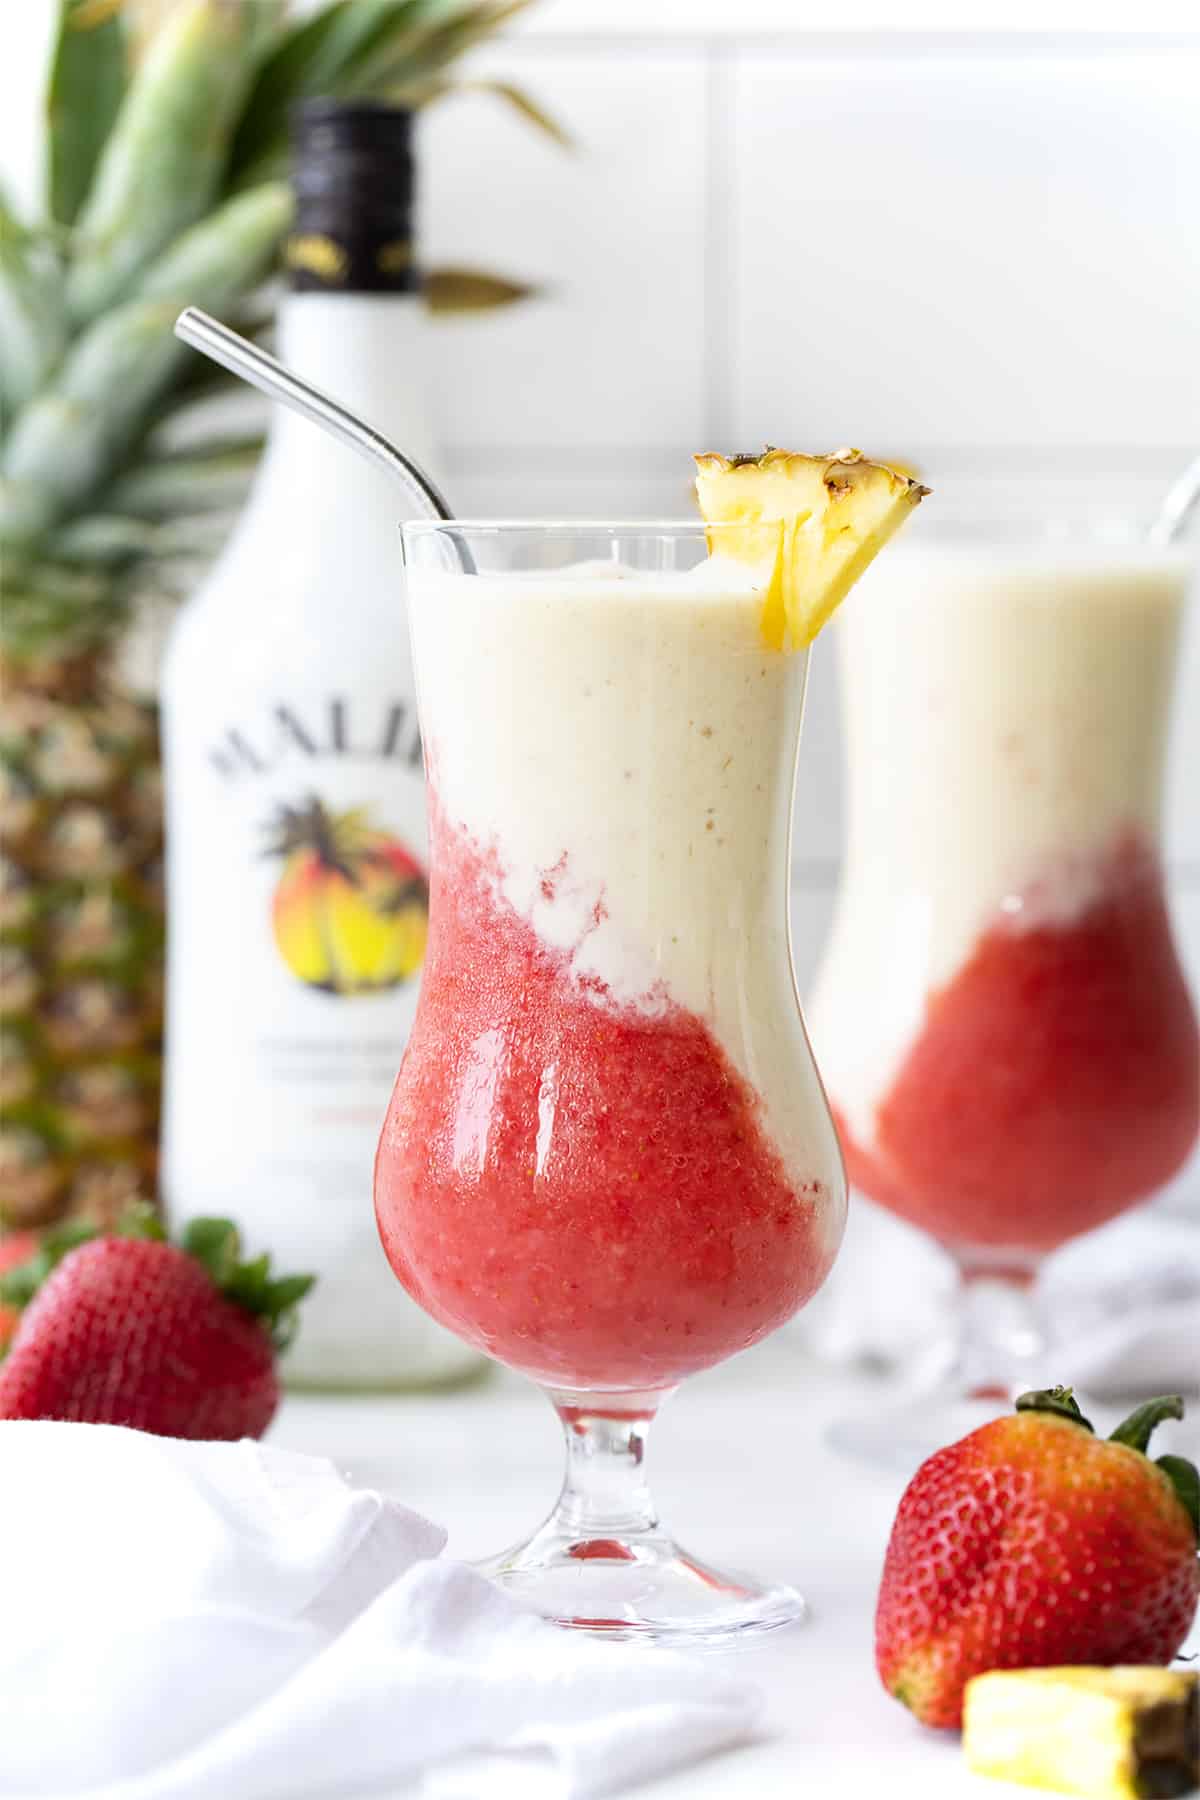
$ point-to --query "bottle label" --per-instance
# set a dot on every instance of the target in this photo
(305, 845)
(349, 906)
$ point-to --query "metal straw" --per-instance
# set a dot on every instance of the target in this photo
(251, 364)
(1177, 508)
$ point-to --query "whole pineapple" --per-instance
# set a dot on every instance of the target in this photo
(166, 144)
(80, 941)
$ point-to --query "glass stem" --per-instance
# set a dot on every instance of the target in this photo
(1001, 1332)
(604, 1495)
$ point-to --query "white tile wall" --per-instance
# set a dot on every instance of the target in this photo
(936, 249)
(613, 358)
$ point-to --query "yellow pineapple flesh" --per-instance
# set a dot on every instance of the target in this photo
(837, 512)
(1111, 1734)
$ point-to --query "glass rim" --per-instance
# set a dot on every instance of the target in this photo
(983, 534)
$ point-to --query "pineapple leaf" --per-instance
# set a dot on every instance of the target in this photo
(86, 86)
(55, 583)
(115, 461)
(116, 540)
(164, 585)
(59, 611)
(198, 480)
(100, 403)
(33, 327)
(190, 539)
(405, 65)
(226, 252)
(312, 58)
(372, 48)
(507, 91)
(71, 433)
(454, 290)
(432, 20)
(101, 540)
(164, 158)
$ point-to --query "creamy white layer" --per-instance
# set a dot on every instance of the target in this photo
(626, 747)
(1006, 720)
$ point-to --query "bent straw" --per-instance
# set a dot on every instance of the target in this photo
(262, 371)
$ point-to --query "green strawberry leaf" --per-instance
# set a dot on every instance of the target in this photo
(248, 1283)
(1058, 1400)
(1138, 1426)
(217, 1244)
(288, 1291)
(273, 1299)
(19, 1284)
(1185, 1479)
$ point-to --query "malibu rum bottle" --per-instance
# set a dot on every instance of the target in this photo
(295, 800)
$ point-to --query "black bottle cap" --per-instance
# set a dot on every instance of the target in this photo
(352, 173)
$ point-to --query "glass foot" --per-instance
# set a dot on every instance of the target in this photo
(602, 1562)
(996, 1350)
(639, 1586)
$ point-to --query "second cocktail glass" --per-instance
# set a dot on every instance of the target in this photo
(608, 1161)
(1001, 1016)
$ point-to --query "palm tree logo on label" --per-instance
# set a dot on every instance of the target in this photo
(350, 912)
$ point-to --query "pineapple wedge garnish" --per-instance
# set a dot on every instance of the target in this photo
(838, 513)
(1110, 1734)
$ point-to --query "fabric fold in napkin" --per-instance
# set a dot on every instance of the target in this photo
(182, 1621)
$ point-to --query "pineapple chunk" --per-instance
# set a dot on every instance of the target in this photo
(1113, 1734)
(838, 513)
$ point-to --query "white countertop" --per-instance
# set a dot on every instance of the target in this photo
(742, 1476)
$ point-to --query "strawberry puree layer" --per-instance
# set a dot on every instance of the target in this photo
(1055, 1081)
(582, 1188)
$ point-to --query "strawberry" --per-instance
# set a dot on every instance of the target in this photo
(1032, 1542)
(131, 1330)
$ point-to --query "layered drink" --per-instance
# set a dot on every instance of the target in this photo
(1002, 1020)
(608, 1161)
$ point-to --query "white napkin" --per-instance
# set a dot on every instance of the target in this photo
(186, 1621)
(1121, 1306)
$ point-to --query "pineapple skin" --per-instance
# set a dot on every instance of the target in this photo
(1110, 1734)
(81, 940)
